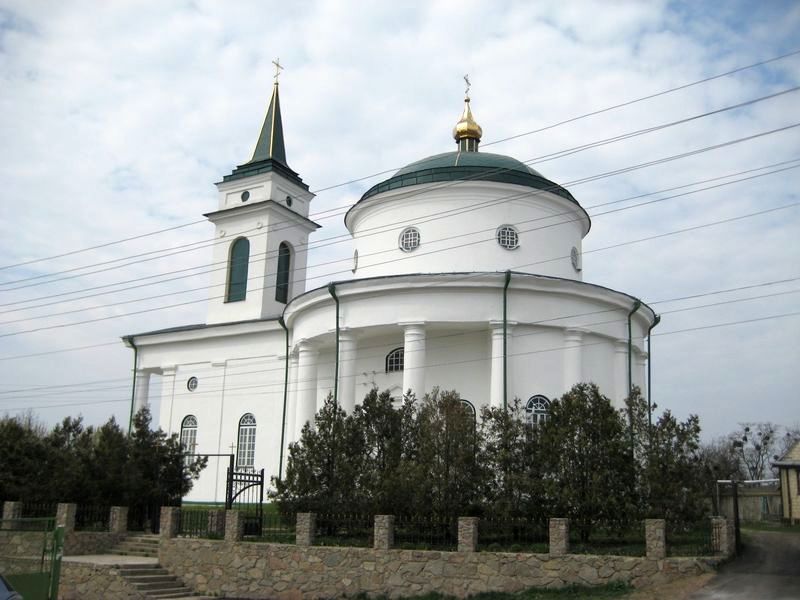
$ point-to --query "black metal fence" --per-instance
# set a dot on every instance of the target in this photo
(195, 522)
(144, 518)
(426, 533)
(507, 534)
(690, 539)
(344, 529)
(39, 510)
(277, 528)
(91, 517)
(603, 540)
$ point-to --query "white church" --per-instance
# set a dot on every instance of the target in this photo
(466, 275)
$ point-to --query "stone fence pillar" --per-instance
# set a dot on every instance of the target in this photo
(118, 519)
(11, 510)
(216, 522)
(467, 534)
(305, 529)
(65, 516)
(559, 537)
(384, 532)
(234, 526)
(655, 538)
(170, 522)
(721, 539)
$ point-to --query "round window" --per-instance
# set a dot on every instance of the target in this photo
(508, 237)
(191, 385)
(245, 196)
(409, 239)
(288, 200)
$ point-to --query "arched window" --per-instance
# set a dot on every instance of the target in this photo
(189, 435)
(246, 446)
(537, 410)
(284, 268)
(237, 270)
(395, 360)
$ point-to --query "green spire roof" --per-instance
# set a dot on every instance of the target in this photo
(270, 143)
(270, 152)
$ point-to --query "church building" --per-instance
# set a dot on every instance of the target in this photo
(466, 274)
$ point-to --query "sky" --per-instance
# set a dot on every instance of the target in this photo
(116, 119)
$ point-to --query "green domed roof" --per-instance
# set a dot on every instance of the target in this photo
(468, 166)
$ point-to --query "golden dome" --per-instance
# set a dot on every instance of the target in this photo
(467, 128)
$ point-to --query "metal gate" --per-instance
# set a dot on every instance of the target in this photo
(35, 567)
(245, 493)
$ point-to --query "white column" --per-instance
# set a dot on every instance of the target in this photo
(306, 385)
(496, 364)
(620, 371)
(347, 371)
(640, 371)
(291, 395)
(573, 357)
(414, 347)
(141, 392)
(167, 397)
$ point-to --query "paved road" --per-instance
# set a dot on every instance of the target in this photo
(768, 569)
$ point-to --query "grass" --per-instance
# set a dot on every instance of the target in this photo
(613, 590)
(771, 526)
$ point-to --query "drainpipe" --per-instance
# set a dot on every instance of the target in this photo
(129, 340)
(656, 321)
(505, 340)
(332, 290)
(636, 304)
(282, 323)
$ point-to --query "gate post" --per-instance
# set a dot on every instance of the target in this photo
(306, 528)
(65, 516)
(467, 534)
(216, 522)
(11, 510)
(118, 519)
(170, 521)
(234, 526)
(383, 537)
(655, 538)
(559, 537)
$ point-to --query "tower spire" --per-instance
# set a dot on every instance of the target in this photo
(467, 132)
(270, 143)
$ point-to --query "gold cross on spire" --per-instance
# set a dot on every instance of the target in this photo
(278, 69)
(469, 85)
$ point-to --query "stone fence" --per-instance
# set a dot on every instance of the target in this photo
(24, 543)
(238, 568)
(722, 540)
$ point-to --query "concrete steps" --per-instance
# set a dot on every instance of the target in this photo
(155, 582)
(137, 545)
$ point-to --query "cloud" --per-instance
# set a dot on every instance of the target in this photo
(117, 119)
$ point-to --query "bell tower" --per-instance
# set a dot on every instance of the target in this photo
(261, 230)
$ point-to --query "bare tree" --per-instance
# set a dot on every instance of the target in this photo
(755, 444)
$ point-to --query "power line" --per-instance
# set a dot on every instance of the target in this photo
(443, 214)
(347, 259)
(451, 363)
(59, 389)
(544, 158)
(179, 304)
(356, 180)
(224, 263)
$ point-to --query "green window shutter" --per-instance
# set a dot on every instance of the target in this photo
(284, 267)
(237, 270)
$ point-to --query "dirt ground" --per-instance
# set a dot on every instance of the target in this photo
(675, 590)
